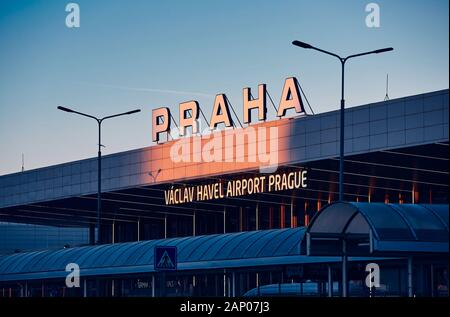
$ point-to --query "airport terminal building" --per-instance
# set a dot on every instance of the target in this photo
(236, 235)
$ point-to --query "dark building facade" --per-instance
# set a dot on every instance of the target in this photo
(396, 152)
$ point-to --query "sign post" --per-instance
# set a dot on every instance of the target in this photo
(165, 259)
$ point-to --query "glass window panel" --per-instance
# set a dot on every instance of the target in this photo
(234, 241)
(426, 225)
(358, 225)
(26, 263)
(333, 218)
(138, 253)
(290, 243)
(122, 258)
(204, 251)
(216, 247)
(227, 246)
(248, 244)
(119, 251)
(189, 246)
(261, 243)
(440, 210)
(387, 222)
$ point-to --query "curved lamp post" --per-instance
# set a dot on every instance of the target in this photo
(343, 60)
(99, 160)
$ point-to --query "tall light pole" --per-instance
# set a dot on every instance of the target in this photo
(341, 140)
(341, 143)
(99, 159)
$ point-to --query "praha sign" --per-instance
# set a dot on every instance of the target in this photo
(239, 187)
(189, 110)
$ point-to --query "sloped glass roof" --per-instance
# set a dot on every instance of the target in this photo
(394, 227)
(130, 256)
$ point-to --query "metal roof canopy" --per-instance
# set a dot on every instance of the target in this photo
(253, 248)
(380, 229)
(263, 248)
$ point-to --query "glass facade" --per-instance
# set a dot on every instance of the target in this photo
(305, 280)
(18, 237)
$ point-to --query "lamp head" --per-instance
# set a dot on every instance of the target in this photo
(301, 44)
(65, 109)
(133, 111)
(382, 50)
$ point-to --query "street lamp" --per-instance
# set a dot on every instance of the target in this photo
(341, 142)
(99, 160)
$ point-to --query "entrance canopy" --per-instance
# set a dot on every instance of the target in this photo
(377, 228)
(218, 251)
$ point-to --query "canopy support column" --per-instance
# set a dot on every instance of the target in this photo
(224, 283)
(153, 285)
(410, 276)
(234, 284)
(432, 279)
(330, 282)
(344, 269)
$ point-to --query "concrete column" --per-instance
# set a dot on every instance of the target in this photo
(193, 223)
(292, 212)
(224, 220)
(113, 231)
(241, 220)
(257, 216)
(165, 226)
(139, 230)
(270, 217)
(84, 288)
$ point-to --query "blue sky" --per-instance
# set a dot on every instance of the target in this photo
(149, 54)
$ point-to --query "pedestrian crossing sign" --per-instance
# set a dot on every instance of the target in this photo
(165, 258)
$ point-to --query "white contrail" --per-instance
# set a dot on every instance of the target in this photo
(164, 91)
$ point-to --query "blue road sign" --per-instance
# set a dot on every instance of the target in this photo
(165, 258)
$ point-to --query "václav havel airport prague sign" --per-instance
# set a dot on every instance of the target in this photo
(188, 118)
(237, 187)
